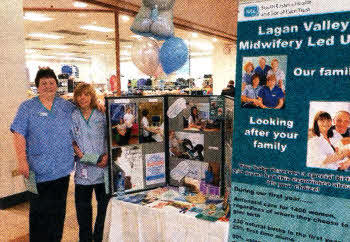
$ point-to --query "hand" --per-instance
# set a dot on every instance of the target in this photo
(344, 165)
(79, 154)
(103, 162)
(23, 169)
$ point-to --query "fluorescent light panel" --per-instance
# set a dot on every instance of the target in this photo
(96, 42)
(64, 54)
(57, 46)
(78, 4)
(46, 36)
(125, 18)
(36, 17)
(97, 28)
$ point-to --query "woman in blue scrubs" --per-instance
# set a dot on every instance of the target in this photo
(89, 128)
(43, 144)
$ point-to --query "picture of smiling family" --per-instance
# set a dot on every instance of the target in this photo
(264, 82)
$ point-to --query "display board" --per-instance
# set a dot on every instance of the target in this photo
(166, 140)
(136, 142)
(195, 142)
(227, 148)
(290, 160)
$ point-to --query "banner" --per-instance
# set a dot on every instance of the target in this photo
(291, 177)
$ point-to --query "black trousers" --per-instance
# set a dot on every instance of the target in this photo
(83, 198)
(48, 210)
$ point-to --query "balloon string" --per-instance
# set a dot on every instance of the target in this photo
(154, 13)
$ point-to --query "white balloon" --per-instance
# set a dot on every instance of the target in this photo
(144, 54)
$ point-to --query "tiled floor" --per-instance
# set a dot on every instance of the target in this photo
(14, 225)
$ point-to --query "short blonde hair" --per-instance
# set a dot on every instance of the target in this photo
(85, 87)
(246, 65)
(274, 60)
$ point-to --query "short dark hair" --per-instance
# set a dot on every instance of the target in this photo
(145, 112)
(45, 73)
(321, 115)
(255, 75)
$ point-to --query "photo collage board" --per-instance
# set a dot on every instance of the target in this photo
(136, 142)
(167, 140)
(195, 142)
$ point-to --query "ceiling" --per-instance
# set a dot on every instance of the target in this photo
(66, 21)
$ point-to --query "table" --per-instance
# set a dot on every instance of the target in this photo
(132, 222)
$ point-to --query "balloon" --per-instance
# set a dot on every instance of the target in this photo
(144, 54)
(159, 73)
(173, 54)
(155, 19)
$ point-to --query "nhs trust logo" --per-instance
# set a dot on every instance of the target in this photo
(251, 11)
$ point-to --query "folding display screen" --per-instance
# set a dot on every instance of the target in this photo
(195, 142)
(155, 141)
(136, 142)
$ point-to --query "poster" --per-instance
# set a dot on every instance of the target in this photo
(155, 168)
(129, 161)
(291, 176)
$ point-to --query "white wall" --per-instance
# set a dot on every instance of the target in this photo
(13, 90)
(224, 65)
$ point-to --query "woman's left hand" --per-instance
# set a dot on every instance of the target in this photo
(103, 162)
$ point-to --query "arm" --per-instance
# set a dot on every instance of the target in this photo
(247, 99)
(244, 84)
(260, 103)
(20, 147)
(337, 156)
(77, 150)
(280, 84)
(280, 103)
(103, 162)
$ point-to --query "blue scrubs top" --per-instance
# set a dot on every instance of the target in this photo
(270, 97)
(262, 74)
(90, 136)
(49, 137)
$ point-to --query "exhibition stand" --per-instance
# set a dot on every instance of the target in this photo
(167, 160)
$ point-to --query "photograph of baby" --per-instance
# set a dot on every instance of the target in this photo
(151, 122)
(186, 145)
(197, 118)
(328, 144)
(264, 82)
(123, 123)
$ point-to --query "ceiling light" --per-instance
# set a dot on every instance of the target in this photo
(125, 18)
(57, 46)
(46, 36)
(200, 53)
(125, 53)
(30, 51)
(75, 58)
(50, 57)
(194, 35)
(79, 4)
(36, 56)
(202, 45)
(96, 28)
(64, 54)
(36, 17)
(96, 42)
(215, 39)
(136, 36)
(127, 46)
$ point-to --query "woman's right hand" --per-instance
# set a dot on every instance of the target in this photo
(23, 169)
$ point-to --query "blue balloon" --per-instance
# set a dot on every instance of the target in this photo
(173, 54)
